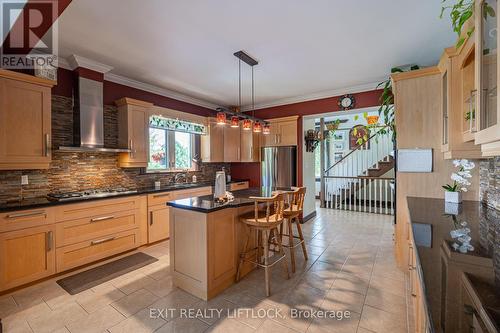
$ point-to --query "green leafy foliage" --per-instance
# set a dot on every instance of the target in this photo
(460, 11)
(386, 109)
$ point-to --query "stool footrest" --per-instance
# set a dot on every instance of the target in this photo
(275, 261)
(288, 245)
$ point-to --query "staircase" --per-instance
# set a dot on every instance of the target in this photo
(361, 180)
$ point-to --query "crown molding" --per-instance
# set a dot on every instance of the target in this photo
(76, 61)
(320, 95)
(157, 90)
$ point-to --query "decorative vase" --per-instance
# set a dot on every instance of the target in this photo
(455, 197)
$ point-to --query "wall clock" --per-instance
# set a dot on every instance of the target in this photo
(346, 102)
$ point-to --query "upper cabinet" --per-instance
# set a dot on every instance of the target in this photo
(457, 91)
(133, 120)
(224, 143)
(212, 144)
(487, 119)
(25, 121)
(250, 146)
(283, 132)
(232, 149)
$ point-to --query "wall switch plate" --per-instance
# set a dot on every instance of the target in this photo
(24, 180)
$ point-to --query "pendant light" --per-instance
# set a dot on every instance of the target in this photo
(266, 129)
(235, 121)
(247, 125)
(221, 118)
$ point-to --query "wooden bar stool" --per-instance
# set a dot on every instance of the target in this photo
(266, 224)
(295, 207)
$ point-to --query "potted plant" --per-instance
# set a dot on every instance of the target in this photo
(453, 192)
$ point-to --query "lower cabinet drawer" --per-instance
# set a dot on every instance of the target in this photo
(238, 186)
(160, 198)
(195, 192)
(75, 231)
(82, 253)
(26, 219)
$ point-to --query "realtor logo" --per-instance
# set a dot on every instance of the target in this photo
(29, 33)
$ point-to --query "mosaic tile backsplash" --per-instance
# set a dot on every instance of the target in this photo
(490, 182)
(81, 171)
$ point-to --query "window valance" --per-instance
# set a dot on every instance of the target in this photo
(177, 125)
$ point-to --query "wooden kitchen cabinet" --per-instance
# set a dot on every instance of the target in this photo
(283, 132)
(25, 121)
(158, 223)
(26, 255)
(159, 215)
(133, 132)
(250, 146)
(94, 230)
(85, 252)
(239, 186)
(453, 144)
(232, 149)
(488, 115)
(212, 144)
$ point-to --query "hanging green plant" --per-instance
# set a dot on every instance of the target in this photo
(460, 12)
(386, 108)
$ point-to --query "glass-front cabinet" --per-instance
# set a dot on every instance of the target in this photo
(457, 97)
(469, 91)
(487, 119)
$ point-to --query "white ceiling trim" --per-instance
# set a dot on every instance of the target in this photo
(76, 61)
(320, 95)
(156, 90)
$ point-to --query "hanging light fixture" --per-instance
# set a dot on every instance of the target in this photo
(257, 127)
(266, 129)
(235, 121)
(247, 124)
(221, 118)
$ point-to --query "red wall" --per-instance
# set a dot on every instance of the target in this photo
(325, 105)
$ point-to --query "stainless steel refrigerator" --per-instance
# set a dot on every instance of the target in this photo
(279, 166)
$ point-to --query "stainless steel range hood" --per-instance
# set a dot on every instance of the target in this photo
(88, 119)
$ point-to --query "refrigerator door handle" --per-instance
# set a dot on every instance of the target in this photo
(275, 169)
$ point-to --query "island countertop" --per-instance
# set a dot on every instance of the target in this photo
(206, 204)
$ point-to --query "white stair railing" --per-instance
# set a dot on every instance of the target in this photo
(347, 182)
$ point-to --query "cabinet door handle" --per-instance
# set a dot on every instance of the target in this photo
(161, 195)
(132, 152)
(26, 214)
(239, 153)
(102, 218)
(47, 145)
(100, 241)
(151, 218)
(49, 239)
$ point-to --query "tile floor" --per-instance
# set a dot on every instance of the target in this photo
(351, 268)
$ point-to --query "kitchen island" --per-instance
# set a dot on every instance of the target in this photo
(205, 241)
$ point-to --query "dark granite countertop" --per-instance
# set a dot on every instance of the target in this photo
(432, 221)
(206, 204)
(40, 202)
